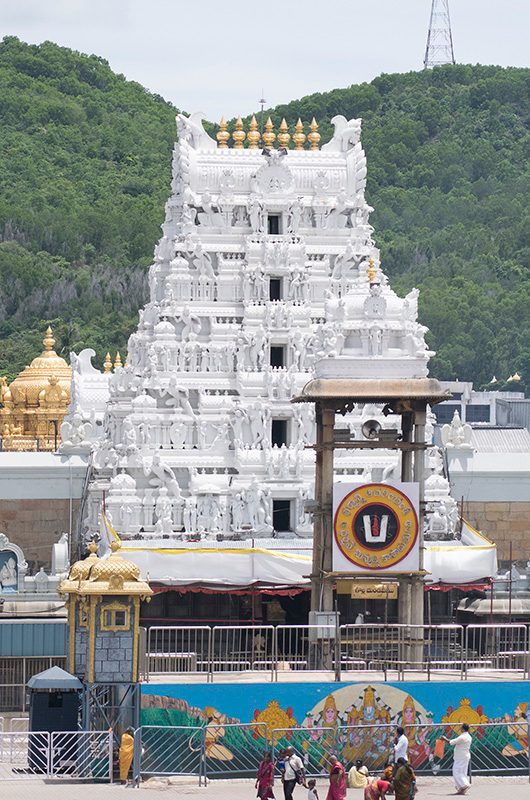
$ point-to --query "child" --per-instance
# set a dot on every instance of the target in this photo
(280, 762)
(312, 793)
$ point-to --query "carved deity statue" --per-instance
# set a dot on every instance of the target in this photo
(457, 434)
(160, 474)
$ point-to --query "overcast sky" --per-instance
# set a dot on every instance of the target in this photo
(216, 56)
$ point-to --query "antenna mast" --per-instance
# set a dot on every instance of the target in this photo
(439, 48)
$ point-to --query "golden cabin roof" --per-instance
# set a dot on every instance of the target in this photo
(45, 381)
(113, 575)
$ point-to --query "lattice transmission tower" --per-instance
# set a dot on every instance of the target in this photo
(439, 48)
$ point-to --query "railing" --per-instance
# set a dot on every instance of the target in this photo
(243, 649)
(81, 755)
(278, 653)
(235, 750)
(503, 647)
(497, 748)
(14, 675)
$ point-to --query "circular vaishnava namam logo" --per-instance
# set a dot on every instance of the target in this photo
(375, 526)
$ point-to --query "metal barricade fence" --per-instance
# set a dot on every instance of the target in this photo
(233, 750)
(499, 748)
(168, 750)
(178, 649)
(24, 755)
(312, 648)
(498, 647)
(18, 724)
(314, 745)
(83, 755)
(288, 649)
(211, 751)
(243, 649)
(372, 647)
(432, 648)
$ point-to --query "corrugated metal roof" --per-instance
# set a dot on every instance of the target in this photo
(517, 412)
(29, 638)
(501, 440)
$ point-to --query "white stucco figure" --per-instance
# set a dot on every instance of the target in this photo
(457, 434)
(160, 474)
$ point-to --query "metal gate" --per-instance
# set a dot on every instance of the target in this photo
(82, 755)
(24, 756)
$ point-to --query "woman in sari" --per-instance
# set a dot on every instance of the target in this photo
(404, 781)
(337, 780)
(377, 789)
(265, 777)
(125, 754)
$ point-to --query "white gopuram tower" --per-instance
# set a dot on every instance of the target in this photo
(266, 265)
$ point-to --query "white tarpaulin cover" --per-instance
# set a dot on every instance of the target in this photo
(222, 567)
(472, 559)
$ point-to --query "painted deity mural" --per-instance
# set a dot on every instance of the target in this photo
(354, 720)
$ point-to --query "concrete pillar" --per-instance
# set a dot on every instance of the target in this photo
(404, 602)
(322, 589)
(317, 517)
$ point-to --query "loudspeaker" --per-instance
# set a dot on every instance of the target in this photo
(371, 429)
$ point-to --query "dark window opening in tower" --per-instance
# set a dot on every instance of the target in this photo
(273, 224)
(281, 515)
(275, 289)
(277, 356)
(279, 432)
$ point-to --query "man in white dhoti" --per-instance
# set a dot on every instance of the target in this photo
(462, 745)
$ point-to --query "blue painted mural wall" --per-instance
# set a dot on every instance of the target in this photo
(432, 701)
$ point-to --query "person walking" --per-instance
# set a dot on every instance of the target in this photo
(337, 780)
(265, 777)
(401, 745)
(312, 793)
(462, 756)
(404, 781)
(293, 773)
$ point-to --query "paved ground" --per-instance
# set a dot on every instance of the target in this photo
(482, 789)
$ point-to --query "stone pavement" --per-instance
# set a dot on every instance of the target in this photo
(482, 789)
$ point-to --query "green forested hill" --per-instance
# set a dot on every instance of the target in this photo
(85, 170)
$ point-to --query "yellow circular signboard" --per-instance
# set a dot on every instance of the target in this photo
(376, 526)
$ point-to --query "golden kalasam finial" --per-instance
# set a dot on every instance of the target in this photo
(372, 270)
(222, 134)
(48, 340)
(107, 364)
(117, 361)
(284, 137)
(253, 135)
(299, 137)
(239, 134)
(314, 137)
(269, 136)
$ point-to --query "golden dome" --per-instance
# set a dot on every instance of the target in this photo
(80, 570)
(44, 372)
(115, 566)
